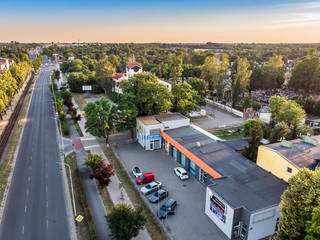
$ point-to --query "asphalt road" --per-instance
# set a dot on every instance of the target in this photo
(36, 205)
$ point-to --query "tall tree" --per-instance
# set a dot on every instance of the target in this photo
(100, 118)
(255, 136)
(184, 98)
(200, 86)
(214, 70)
(104, 73)
(125, 222)
(297, 204)
(150, 96)
(303, 72)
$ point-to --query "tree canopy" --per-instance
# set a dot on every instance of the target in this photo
(298, 205)
(184, 98)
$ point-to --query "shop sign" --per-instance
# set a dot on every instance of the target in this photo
(218, 213)
(152, 137)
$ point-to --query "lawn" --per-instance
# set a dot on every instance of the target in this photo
(228, 133)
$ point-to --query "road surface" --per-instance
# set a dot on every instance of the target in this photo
(36, 205)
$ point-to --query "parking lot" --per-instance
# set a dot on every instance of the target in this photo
(189, 222)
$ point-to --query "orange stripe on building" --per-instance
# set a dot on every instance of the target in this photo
(191, 156)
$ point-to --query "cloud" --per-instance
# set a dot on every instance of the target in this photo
(295, 15)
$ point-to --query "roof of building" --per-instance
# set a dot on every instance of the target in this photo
(132, 64)
(315, 120)
(300, 154)
(238, 144)
(149, 120)
(165, 117)
(119, 75)
(243, 183)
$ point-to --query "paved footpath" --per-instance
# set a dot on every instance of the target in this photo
(89, 142)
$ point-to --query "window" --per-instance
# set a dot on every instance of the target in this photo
(289, 170)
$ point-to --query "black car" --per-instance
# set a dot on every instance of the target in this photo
(167, 208)
(158, 196)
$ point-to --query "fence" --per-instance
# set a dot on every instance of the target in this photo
(225, 107)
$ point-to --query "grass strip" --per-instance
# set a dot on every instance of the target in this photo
(85, 229)
(152, 224)
(79, 98)
(76, 125)
(225, 134)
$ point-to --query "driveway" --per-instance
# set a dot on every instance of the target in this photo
(222, 119)
(190, 222)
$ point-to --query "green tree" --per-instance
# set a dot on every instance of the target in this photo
(297, 204)
(214, 70)
(150, 96)
(184, 98)
(93, 160)
(273, 73)
(36, 63)
(254, 129)
(280, 131)
(303, 73)
(65, 94)
(125, 222)
(127, 113)
(100, 118)
(104, 73)
(313, 226)
(102, 173)
(200, 86)
(174, 61)
(275, 106)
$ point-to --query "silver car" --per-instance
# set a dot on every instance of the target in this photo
(151, 187)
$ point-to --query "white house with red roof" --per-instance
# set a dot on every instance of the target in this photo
(132, 69)
(5, 63)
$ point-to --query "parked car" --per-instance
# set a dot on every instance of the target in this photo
(167, 208)
(145, 178)
(136, 172)
(158, 196)
(151, 187)
(181, 173)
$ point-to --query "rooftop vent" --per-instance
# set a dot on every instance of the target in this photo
(198, 144)
(285, 143)
(310, 140)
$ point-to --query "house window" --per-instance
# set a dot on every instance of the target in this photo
(289, 170)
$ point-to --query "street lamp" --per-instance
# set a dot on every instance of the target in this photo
(72, 192)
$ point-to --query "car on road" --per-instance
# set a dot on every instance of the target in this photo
(145, 178)
(151, 187)
(158, 196)
(181, 173)
(136, 171)
(167, 208)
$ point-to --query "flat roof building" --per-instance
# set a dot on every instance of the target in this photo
(286, 158)
(242, 199)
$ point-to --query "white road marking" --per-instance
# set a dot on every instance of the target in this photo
(47, 204)
(25, 209)
(46, 189)
(92, 146)
(27, 192)
(22, 231)
(29, 178)
(47, 224)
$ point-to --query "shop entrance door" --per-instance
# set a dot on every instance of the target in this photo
(183, 160)
(151, 145)
(202, 176)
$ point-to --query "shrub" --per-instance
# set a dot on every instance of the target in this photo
(65, 94)
(65, 128)
(256, 105)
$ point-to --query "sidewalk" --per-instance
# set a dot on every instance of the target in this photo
(89, 142)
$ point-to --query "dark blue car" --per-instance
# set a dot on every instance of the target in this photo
(167, 208)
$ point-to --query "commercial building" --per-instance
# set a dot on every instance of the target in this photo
(242, 199)
(5, 63)
(286, 158)
(149, 128)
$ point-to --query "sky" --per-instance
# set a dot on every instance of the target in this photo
(188, 21)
